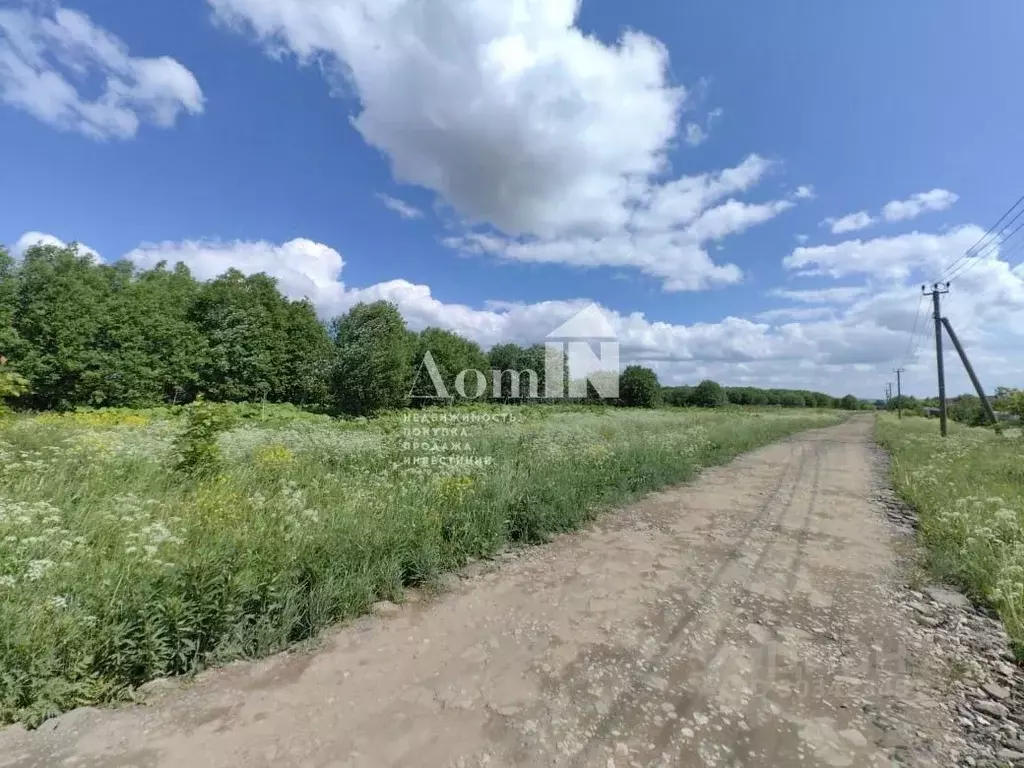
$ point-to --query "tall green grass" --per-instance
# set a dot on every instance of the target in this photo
(115, 569)
(968, 491)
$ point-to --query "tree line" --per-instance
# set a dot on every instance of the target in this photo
(709, 394)
(76, 332)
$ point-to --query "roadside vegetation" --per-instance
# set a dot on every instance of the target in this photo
(194, 471)
(968, 491)
(1007, 403)
(137, 544)
(76, 333)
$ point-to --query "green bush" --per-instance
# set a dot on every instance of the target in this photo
(12, 384)
(709, 394)
(849, 403)
(638, 387)
(967, 410)
(196, 447)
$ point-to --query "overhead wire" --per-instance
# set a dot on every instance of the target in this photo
(991, 247)
(913, 333)
(991, 235)
(996, 239)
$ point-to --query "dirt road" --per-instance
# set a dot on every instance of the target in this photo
(747, 619)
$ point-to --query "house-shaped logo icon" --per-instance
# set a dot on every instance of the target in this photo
(589, 323)
(573, 343)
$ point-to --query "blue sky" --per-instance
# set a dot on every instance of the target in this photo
(544, 166)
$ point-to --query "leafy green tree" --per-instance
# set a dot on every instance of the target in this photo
(12, 384)
(451, 354)
(967, 410)
(244, 322)
(62, 308)
(906, 402)
(850, 403)
(506, 358)
(709, 394)
(152, 348)
(738, 395)
(308, 357)
(1003, 398)
(10, 343)
(677, 396)
(639, 387)
(510, 357)
(537, 358)
(791, 399)
(1014, 402)
(373, 368)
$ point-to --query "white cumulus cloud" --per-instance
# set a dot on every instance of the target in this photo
(668, 236)
(850, 223)
(885, 257)
(303, 268)
(504, 107)
(30, 239)
(43, 57)
(552, 140)
(915, 205)
(894, 210)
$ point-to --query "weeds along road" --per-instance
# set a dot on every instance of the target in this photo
(746, 619)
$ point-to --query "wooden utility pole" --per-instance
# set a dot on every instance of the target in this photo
(899, 391)
(970, 371)
(937, 290)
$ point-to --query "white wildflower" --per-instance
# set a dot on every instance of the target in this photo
(38, 568)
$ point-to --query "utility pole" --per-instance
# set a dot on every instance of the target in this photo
(970, 372)
(937, 290)
(899, 391)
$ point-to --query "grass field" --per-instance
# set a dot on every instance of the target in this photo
(115, 569)
(969, 493)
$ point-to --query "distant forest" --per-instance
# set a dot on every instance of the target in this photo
(75, 332)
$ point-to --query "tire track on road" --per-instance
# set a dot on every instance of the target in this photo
(625, 712)
(687, 706)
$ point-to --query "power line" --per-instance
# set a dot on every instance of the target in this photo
(913, 333)
(996, 238)
(995, 243)
(922, 336)
(967, 254)
(970, 251)
(1013, 251)
(990, 248)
